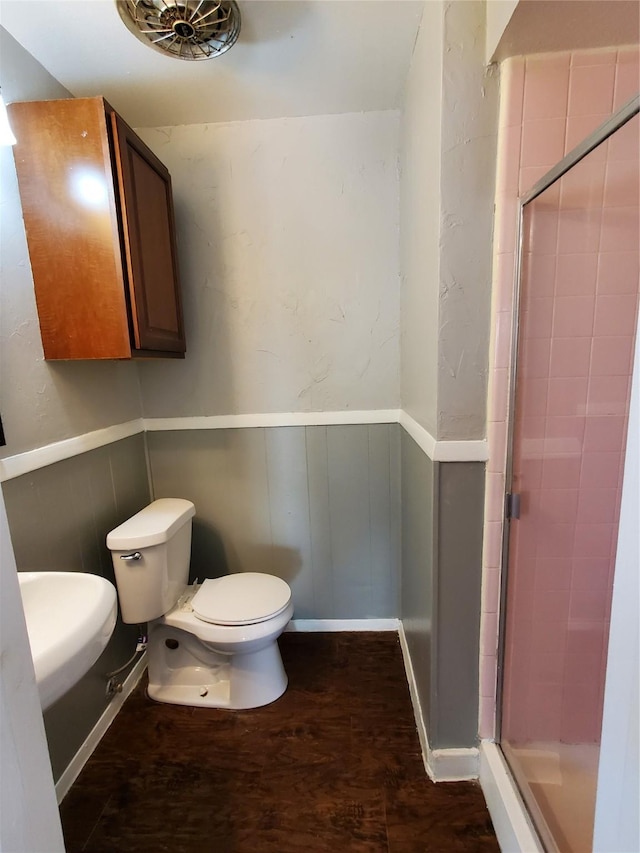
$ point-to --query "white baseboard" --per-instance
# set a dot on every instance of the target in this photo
(415, 699)
(511, 822)
(454, 765)
(442, 765)
(319, 625)
(98, 731)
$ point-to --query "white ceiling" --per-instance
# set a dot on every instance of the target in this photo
(293, 58)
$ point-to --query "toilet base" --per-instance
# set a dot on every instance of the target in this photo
(198, 695)
(192, 673)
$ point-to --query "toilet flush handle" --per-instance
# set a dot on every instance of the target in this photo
(135, 556)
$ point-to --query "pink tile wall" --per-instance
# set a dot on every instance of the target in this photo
(574, 379)
(577, 333)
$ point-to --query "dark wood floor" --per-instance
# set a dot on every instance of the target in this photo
(334, 765)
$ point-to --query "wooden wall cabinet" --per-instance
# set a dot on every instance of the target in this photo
(98, 214)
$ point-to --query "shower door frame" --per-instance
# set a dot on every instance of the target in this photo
(598, 136)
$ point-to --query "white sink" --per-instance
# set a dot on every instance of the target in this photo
(70, 618)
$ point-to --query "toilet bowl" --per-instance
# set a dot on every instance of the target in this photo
(212, 645)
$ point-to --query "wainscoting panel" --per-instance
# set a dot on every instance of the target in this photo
(442, 514)
(288, 504)
(459, 541)
(317, 506)
(418, 563)
(59, 517)
(319, 518)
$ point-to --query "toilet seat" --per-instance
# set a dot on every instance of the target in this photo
(241, 599)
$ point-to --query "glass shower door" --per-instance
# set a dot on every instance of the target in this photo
(577, 324)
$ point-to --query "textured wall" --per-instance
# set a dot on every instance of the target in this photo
(498, 14)
(43, 401)
(317, 506)
(467, 187)
(447, 161)
(420, 222)
(288, 240)
(59, 517)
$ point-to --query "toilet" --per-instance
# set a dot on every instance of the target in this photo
(212, 645)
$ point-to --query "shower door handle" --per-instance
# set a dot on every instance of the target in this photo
(512, 505)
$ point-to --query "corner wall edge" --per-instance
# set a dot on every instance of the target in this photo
(442, 765)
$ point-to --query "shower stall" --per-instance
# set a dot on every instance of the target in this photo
(575, 321)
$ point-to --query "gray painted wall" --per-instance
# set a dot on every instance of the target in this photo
(43, 401)
(459, 498)
(420, 223)
(447, 179)
(288, 241)
(442, 514)
(317, 506)
(59, 517)
(467, 189)
(447, 164)
(418, 563)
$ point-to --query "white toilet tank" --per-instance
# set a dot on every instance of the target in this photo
(151, 553)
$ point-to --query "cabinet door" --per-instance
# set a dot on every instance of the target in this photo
(149, 243)
(69, 205)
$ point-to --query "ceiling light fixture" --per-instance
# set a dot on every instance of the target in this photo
(184, 29)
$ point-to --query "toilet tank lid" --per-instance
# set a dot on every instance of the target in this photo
(153, 525)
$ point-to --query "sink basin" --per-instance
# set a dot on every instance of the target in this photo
(70, 618)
